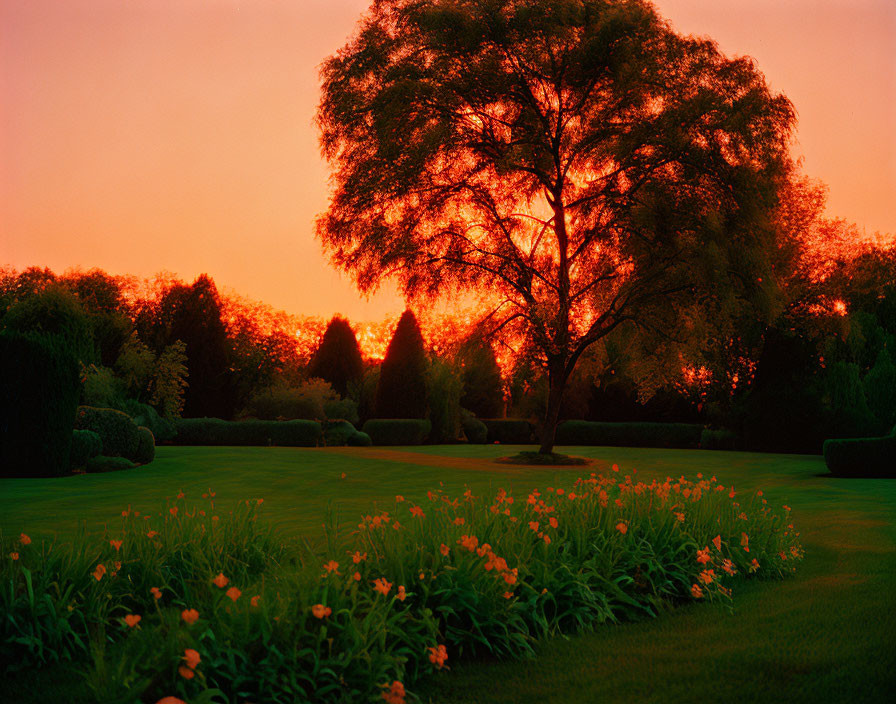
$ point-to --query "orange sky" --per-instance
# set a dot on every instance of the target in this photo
(149, 135)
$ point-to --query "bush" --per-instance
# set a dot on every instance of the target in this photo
(677, 435)
(102, 463)
(861, 457)
(510, 431)
(214, 431)
(162, 429)
(719, 440)
(117, 430)
(359, 439)
(39, 390)
(306, 402)
(474, 429)
(444, 390)
(337, 432)
(146, 446)
(397, 431)
(86, 445)
(341, 409)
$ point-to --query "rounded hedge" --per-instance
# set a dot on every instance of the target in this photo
(337, 432)
(359, 439)
(86, 445)
(117, 430)
(146, 446)
(475, 430)
(397, 431)
(103, 463)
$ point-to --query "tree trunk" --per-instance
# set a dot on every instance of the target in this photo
(557, 383)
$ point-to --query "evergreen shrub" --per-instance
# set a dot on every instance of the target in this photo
(359, 439)
(118, 432)
(143, 414)
(509, 431)
(39, 388)
(86, 445)
(103, 463)
(146, 446)
(214, 431)
(474, 429)
(861, 457)
(401, 391)
(397, 431)
(671, 435)
(337, 432)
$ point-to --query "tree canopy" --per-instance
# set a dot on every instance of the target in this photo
(576, 160)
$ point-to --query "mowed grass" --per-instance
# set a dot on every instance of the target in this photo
(826, 634)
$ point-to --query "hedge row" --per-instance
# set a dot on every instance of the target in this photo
(214, 431)
(719, 440)
(86, 445)
(861, 457)
(475, 430)
(397, 431)
(510, 431)
(671, 435)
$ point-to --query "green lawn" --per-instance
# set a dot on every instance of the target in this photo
(825, 635)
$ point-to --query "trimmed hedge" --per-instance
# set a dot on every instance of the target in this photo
(359, 439)
(397, 431)
(118, 432)
(510, 431)
(475, 430)
(337, 432)
(103, 463)
(672, 435)
(214, 431)
(86, 445)
(861, 457)
(146, 446)
(143, 414)
(719, 440)
(39, 388)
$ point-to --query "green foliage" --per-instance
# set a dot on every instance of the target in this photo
(146, 446)
(719, 440)
(338, 358)
(397, 431)
(103, 463)
(844, 396)
(677, 435)
(101, 388)
(169, 382)
(880, 389)
(86, 445)
(118, 432)
(359, 439)
(142, 414)
(510, 431)
(214, 431)
(280, 620)
(401, 391)
(444, 391)
(314, 399)
(341, 409)
(39, 390)
(483, 389)
(861, 457)
(474, 429)
(337, 432)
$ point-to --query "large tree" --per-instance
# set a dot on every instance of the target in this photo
(576, 160)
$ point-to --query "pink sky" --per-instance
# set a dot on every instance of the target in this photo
(149, 135)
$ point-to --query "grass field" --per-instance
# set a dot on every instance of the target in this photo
(826, 634)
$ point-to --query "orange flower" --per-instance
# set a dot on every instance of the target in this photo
(132, 619)
(417, 511)
(115, 544)
(703, 556)
(382, 586)
(508, 595)
(622, 528)
(156, 593)
(438, 655)
(422, 576)
(559, 492)
(717, 541)
(696, 591)
(754, 565)
(728, 566)
(185, 672)
(547, 540)
(259, 502)
(254, 600)
(180, 494)
(469, 542)
(707, 576)
(459, 521)
(331, 566)
(533, 526)
(679, 517)
(553, 522)
(399, 498)
(401, 596)
(510, 577)
(395, 694)
(745, 542)
(220, 581)
(787, 508)
(14, 555)
(191, 657)
(444, 549)
(170, 700)
(190, 616)
(321, 611)
(357, 576)
(173, 512)
(24, 539)
(342, 476)
(99, 572)
(233, 593)
(152, 534)
(358, 557)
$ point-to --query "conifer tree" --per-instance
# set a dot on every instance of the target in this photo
(401, 392)
(338, 358)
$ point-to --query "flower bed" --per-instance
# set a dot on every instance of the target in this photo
(208, 605)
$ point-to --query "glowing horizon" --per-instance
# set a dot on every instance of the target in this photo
(177, 135)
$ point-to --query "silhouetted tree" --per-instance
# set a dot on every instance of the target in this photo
(483, 390)
(338, 358)
(580, 163)
(401, 391)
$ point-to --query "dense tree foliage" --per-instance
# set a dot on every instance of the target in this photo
(401, 391)
(483, 388)
(338, 358)
(578, 162)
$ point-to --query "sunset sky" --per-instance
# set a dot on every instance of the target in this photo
(147, 135)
